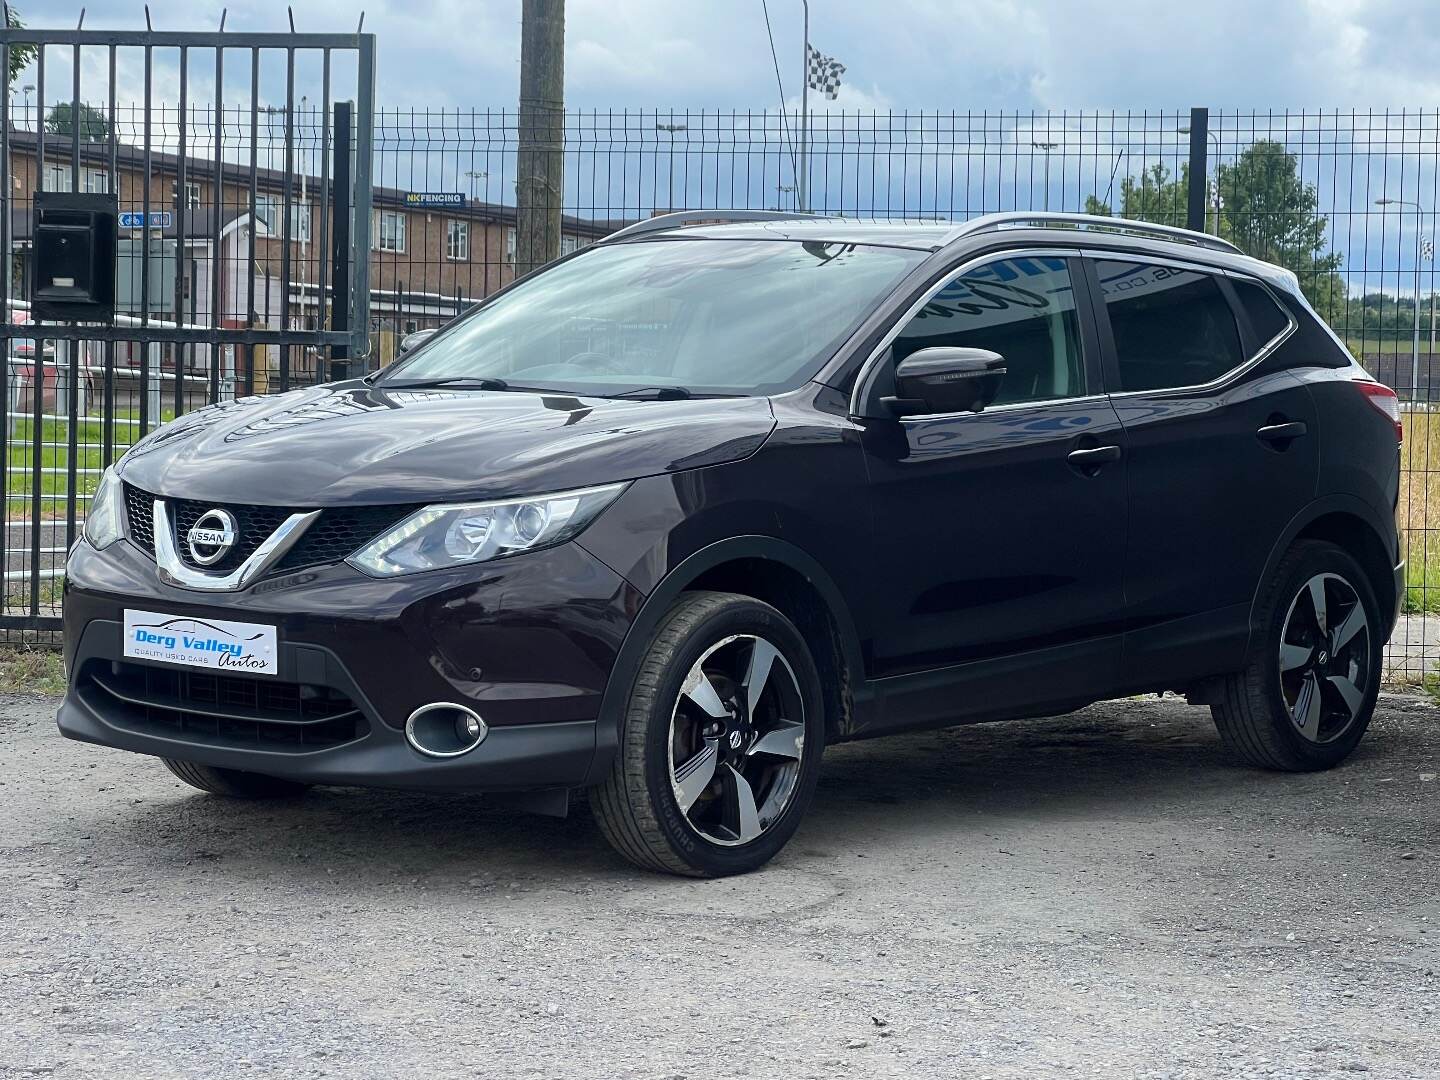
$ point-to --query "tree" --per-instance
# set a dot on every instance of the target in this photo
(1266, 210)
(94, 126)
(20, 55)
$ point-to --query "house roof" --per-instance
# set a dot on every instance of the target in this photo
(269, 181)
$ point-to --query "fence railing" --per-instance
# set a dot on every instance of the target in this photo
(1347, 199)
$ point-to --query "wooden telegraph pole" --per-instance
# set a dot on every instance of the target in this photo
(540, 163)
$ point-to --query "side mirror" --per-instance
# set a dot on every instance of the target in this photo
(415, 340)
(946, 380)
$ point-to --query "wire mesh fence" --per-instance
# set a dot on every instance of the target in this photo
(1346, 199)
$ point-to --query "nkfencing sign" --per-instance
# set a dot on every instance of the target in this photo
(453, 199)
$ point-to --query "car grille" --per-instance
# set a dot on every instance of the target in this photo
(336, 534)
(221, 710)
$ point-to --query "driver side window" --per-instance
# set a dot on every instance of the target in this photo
(1022, 308)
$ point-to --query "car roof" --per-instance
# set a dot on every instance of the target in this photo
(1014, 227)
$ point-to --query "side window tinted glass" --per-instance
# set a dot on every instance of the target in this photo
(1266, 317)
(1172, 327)
(1022, 308)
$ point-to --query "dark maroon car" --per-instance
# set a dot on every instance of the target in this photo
(669, 516)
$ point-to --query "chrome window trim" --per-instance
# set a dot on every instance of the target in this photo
(867, 369)
(1009, 406)
(174, 572)
(1233, 374)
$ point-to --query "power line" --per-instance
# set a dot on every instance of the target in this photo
(775, 60)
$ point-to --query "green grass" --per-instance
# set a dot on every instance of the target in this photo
(1419, 511)
(31, 670)
(55, 454)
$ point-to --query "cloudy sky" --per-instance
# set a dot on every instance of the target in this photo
(964, 54)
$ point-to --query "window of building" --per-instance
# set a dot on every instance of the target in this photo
(1022, 308)
(389, 231)
(457, 240)
(268, 211)
(509, 245)
(569, 244)
(92, 181)
(1172, 327)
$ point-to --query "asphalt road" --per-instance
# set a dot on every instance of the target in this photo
(1097, 895)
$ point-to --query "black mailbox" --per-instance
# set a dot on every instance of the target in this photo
(74, 275)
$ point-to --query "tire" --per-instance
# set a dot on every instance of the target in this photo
(1267, 717)
(672, 720)
(233, 782)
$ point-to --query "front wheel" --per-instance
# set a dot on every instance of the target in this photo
(1308, 690)
(722, 741)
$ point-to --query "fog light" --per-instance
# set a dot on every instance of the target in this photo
(444, 730)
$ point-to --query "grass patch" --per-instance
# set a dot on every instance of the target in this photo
(1419, 511)
(55, 454)
(31, 670)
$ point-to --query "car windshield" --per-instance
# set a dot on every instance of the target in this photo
(690, 316)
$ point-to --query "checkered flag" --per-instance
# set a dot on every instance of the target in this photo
(823, 72)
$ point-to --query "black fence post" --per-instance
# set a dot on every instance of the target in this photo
(340, 244)
(1199, 172)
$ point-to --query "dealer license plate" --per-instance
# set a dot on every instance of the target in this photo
(241, 647)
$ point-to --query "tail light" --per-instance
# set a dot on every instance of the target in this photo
(1383, 399)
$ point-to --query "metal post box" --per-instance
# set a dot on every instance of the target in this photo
(74, 275)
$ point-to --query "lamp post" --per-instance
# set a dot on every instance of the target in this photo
(29, 89)
(1415, 341)
(671, 129)
(1047, 147)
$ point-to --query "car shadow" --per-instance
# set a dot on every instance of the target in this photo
(1128, 759)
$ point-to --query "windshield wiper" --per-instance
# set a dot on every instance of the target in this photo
(462, 382)
(655, 393)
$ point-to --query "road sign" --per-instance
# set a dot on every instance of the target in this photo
(159, 219)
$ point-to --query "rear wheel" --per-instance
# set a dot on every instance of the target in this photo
(722, 741)
(233, 782)
(1308, 690)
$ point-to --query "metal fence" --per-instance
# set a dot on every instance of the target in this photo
(1345, 198)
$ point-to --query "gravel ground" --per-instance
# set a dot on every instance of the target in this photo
(1096, 895)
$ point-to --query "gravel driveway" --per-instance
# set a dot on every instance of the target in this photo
(1096, 895)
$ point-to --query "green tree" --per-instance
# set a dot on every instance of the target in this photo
(20, 55)
(1267, 210)
(94, 126)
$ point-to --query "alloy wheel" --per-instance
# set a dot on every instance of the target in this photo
(737, 738)
(1325, 658)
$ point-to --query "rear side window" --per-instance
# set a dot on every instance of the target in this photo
(1172, 327)
(1266, 317)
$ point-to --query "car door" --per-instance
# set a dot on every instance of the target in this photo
(1222, 453)
(999, 535)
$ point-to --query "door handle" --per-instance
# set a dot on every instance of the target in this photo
(1093, 457)
(1280, 433)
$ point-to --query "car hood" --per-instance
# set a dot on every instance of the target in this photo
(351, 443)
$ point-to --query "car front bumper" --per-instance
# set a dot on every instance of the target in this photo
(528, 643)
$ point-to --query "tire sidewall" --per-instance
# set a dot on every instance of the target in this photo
(738, 616)
(1318, 558)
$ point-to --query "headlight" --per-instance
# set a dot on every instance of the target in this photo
(102, 523)
(440, 536)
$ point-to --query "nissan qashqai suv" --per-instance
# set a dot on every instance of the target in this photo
(664, 519)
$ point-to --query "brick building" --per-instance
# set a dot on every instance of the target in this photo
(426, 263)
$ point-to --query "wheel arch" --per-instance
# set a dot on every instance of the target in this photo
(1353, 525)
(770, 570)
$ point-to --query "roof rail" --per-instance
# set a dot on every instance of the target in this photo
(706, 217)
(1016, 219)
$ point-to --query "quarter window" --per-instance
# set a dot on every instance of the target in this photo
(1173, 327)
(1022, 308)
(1266, 317)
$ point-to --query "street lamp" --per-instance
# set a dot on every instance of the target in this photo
(30, 89)
(1415, 341)
(1047, 147)
(671, 129)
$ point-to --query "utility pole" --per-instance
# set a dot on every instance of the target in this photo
(540, 163)
(802, 195)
